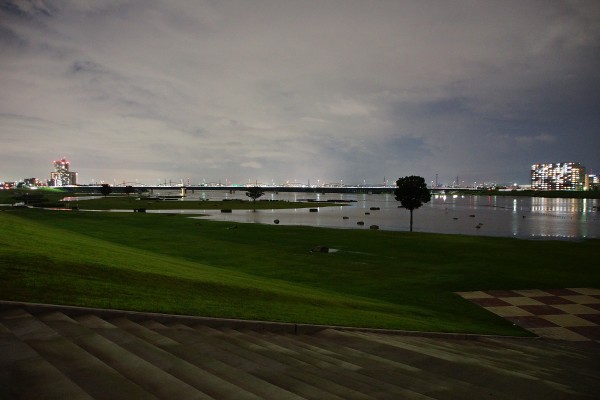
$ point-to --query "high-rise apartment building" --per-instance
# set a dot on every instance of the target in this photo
(558, 176)
(593, 182)
(62, 176)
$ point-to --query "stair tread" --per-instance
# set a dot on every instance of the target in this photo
(217, 367)
(77, 354)
(85, 370)
(191, 374)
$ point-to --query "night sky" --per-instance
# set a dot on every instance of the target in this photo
(298, 90)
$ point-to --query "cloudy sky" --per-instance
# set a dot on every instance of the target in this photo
(284, 90)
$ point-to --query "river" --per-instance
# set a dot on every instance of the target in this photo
(521, 217)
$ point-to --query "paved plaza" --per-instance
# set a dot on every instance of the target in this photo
(571, 314)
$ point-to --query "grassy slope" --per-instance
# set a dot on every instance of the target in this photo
(48, 264)
(175, 264)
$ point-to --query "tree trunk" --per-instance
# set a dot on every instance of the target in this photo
(411, 219)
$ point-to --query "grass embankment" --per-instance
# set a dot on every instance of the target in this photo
(43, 196)
(179, 265)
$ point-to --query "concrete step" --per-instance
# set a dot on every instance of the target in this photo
(380, 364)
(227, 372)
(416, 382)
(301, 365)
(191, 374)
(335, 369)
(361, 379)
(250, 363)
(185, 335)
(138, 370)
(198, 350)
(469, 374)
(273, 368)
(306, 369)
(142, 332)
(251, 342)
(298, 348)
(474, 370)
(24, 374)
(220, 349)
(546, 360)
(83, 354)
(550, 356)
(95, 377)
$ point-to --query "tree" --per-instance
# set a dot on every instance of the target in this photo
(412, 193)
(128, 190)
(105, 189)
(255, 192)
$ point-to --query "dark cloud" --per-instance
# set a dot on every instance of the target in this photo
(279, 90)
(25, 8)
(79, 67)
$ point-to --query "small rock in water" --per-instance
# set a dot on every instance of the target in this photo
(360, 223)
(276, 221)
(320, 249)
(374, 227)
(345, 217)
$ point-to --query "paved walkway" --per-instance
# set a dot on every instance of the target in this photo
(72, 353)
(571, 314)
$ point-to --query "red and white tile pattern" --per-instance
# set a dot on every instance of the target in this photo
(566, 314)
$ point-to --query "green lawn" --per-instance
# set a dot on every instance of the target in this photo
(174, 264)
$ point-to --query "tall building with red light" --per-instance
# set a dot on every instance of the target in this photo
(62, 176)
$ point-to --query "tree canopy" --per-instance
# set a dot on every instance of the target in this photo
(129, 189)
(412, 193)
(105, 189)
(255, 192)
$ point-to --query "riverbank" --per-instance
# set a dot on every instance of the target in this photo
(166, 203)
(551, 194)
(58, 199)
(173, 264)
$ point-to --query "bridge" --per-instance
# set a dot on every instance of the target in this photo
(236, 188)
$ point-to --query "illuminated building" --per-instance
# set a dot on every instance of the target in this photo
(33, 182)
(61, 175)
(558, 176)
(593, 182)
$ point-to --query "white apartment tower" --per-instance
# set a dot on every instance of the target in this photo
(558, 176)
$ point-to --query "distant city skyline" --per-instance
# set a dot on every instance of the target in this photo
(560, 173)
(280, 90)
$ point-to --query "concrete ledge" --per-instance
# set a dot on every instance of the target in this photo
(282, 327)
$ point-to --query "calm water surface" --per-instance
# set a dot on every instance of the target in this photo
(522, 217)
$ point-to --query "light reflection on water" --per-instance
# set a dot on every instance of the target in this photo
(523, 217)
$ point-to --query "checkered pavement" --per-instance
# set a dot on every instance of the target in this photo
(571, 314)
